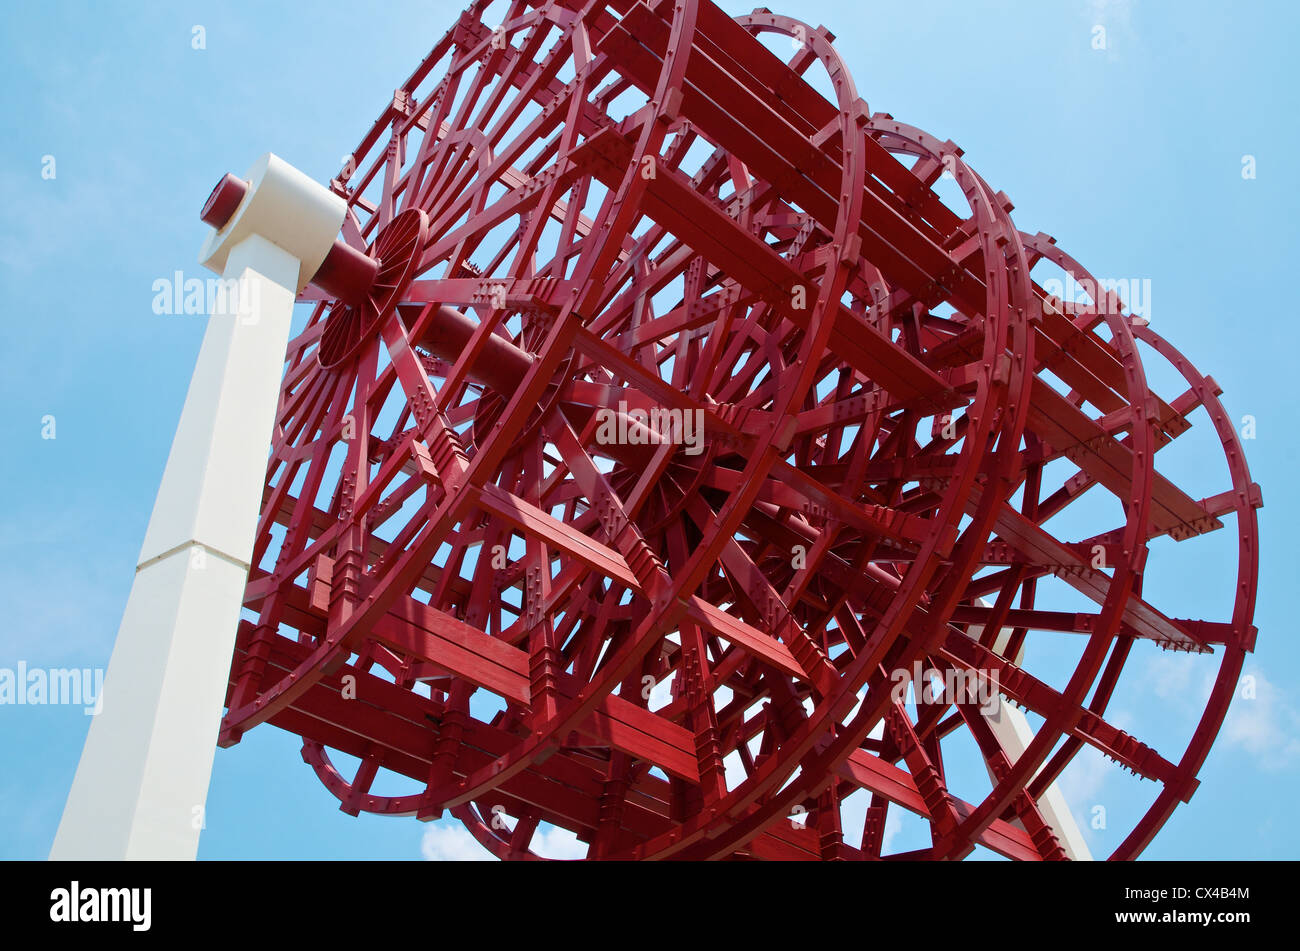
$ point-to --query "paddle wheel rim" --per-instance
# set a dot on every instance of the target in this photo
(555, 342)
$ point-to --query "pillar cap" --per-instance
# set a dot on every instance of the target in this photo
(281, 204)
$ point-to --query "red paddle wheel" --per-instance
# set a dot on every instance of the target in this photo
(665, 417)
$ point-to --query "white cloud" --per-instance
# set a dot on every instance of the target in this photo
(449, 841)
(552, 842)
(1083, 778)
(1265, 725)
(1174, 678)
(1083, 786)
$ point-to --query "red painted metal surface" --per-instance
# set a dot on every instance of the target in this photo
(672, 369)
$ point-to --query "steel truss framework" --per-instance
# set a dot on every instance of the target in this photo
(600, 210)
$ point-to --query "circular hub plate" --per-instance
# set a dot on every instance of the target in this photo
(397, 249)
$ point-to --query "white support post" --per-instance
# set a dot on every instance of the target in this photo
(142, 782)
(1014, 735)
(1011, 729)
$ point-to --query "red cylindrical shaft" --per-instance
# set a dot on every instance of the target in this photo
(346, 273)
(500, 365)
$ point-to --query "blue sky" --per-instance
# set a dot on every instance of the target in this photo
(1131, 156)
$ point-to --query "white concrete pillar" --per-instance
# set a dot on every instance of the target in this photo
(1012, 730)
(142, 781)
(1013, 733)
